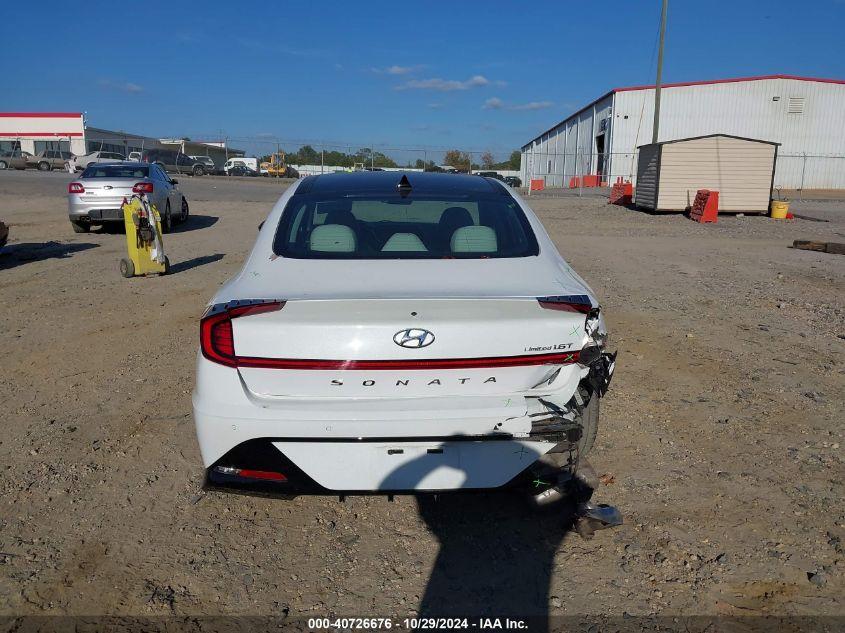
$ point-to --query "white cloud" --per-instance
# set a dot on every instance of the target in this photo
(397, 70)
(494, 103)
(122, 86)
(533, 105)
(444, 85)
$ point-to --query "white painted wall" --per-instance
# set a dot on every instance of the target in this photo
(29, 127)
(747, 109)
(741, 108)
(568, 149)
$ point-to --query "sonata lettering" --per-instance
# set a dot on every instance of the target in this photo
(406, 382)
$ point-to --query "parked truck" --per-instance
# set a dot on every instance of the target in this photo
(244, 161)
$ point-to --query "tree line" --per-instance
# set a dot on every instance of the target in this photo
(461, 160)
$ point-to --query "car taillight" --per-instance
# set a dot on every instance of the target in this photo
(75, 187)
(143, 187)
(567, 303)
(217, 340)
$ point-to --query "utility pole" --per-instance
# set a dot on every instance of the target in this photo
(659, 72)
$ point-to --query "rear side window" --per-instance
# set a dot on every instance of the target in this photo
(389, 226)
(115, 171)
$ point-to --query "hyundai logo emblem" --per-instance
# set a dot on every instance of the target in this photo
(414, 338)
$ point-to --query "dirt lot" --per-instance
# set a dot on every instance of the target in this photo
(722, 432)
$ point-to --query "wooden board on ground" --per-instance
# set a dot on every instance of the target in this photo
(834, 248)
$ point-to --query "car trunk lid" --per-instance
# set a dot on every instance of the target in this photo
(395, 348)
(107, 191)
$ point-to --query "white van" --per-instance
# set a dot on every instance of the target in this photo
(252, 163)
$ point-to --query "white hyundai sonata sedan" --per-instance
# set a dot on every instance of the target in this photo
(395, 333)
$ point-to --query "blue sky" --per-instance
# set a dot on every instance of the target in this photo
(471, 75)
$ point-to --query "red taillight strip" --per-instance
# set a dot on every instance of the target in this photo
(564, 358)
(217, 341)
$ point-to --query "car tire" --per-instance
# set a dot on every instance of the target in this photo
(127, 268)
(185, 211)
(80, 227)
(589, 425)
(166, 219)
(43, 166)
(199, 171)
(4, 164)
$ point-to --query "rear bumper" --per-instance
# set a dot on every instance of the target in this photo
(409, 467)
(377, 446)
(94, 211)
(106, 210)
(98, 216)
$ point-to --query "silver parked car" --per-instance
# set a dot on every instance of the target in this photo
(96, 197)
(81, 162)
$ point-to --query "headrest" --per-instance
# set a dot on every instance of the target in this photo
(340, 216)
(474, 239)
(333, 238)
(404, 242)
(454, 218)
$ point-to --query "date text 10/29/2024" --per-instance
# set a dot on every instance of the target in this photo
(374, 624)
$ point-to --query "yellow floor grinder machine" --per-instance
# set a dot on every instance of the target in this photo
(143, 239)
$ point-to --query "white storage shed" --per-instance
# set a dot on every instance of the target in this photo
(742, 170)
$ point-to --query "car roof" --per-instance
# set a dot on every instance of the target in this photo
(421, 182)
(122, 164)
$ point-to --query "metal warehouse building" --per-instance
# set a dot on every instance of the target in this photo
(67, 131)
(805, 115)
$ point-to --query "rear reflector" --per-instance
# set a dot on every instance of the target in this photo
(262, 474)
(567, 303)
(248, 473)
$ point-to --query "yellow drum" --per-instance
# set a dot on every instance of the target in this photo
(780, 209)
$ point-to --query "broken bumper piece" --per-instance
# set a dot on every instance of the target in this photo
(601, 372)
(596, 516)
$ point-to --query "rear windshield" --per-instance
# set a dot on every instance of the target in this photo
(115, 171)
(388, 226)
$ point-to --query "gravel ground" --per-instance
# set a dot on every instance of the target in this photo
(721, 438)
